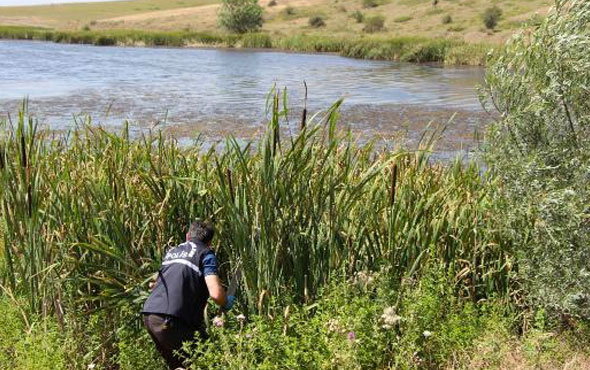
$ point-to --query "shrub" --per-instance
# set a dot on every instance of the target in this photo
(491, 16)
(240, 16)
(358, 16)
(447, 19)
(289, 11)
(272, 3)
(369, 321)
(135, 350)
(316, 21)
(539, 152)
(402, 19)
(35, 344)
(370, 3)
(456, 29)
(374, 24)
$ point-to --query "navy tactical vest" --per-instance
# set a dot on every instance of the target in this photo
(180, 290)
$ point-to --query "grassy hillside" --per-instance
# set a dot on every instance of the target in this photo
(288, 17)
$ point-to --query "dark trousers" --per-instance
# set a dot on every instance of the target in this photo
(168, 333)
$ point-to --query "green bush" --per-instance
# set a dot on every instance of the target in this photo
(240, 16)
(491, 16)
(289, 11)
(539, 151)
(316, 21)
(447, 19)
(358, 16)
(402, 19)
(370, 3)
(136, 350)
(369, 321)
(374, 24)
(272, 3)
(31, 344)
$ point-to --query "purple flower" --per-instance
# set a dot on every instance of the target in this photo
(218, 321)
(351, 336)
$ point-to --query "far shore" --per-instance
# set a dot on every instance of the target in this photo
(405, 49)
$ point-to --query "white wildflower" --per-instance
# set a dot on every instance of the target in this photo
(333, 325)
(390, 318)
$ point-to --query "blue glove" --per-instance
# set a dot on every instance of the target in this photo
(229, 302)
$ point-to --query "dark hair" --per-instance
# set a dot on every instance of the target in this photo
(203, 231)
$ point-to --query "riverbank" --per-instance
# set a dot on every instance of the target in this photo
(405, 49)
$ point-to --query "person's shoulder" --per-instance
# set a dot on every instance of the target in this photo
(208, 251)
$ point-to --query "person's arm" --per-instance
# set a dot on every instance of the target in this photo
(153, 281)
(216, 290)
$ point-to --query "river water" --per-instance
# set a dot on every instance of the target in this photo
(224, 91)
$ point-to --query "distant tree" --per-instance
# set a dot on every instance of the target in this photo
(240, 16)
(447, 19)
(491, 16)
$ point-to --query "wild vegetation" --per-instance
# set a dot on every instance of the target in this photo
(540, 151)
(353, 257)
(408, 49)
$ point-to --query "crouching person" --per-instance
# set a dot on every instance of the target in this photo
(174, 311)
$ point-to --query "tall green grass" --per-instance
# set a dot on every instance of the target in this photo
(408, 49)
(89, 214)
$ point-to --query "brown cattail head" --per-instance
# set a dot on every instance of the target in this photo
(304, 115)
(2, 165)
(230, 184)
(23, 152)
(393, 184)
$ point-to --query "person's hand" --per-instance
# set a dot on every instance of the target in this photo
(229, 303)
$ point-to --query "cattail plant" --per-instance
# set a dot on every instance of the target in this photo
(97, 210)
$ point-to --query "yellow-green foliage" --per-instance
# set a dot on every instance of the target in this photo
(30, 344)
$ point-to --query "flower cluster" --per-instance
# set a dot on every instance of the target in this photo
(389, 318)
(333, 325)
(218, 321)
(364, 279)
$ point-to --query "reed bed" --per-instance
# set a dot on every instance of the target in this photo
(407, 49)
(87, 215)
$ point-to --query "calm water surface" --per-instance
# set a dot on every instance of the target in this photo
(216, 89)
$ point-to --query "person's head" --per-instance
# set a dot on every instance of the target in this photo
(202, 231)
